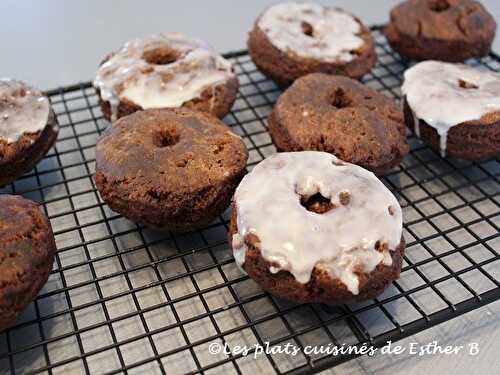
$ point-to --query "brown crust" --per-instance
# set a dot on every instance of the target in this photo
(285, 67)
(179, 187)
(27, 251)
(217, 100)
(470, 140)
(19, 157)
(321, 288)
(363, 127)
(464, 30)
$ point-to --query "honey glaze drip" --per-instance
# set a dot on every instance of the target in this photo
(312, 30)
(129, 75)
(23, 110)
(353, 236)
(444, 95)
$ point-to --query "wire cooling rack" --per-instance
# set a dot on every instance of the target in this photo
(123, 299)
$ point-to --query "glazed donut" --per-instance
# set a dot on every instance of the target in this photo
(454, 108)
(28, 128)
(309, 227)
(290, 40)
(165, 71)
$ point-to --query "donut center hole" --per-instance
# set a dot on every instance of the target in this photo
(466, 84)
(339, 99)
(439, 5)
(160, 56)
(317, 203)
(307, 28)
(165, 138)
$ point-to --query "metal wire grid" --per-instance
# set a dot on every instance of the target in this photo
(123, 299)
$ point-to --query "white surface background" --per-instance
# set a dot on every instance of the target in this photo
(58, 42)
(61, 42)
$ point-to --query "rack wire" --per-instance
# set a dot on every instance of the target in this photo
(123, 299)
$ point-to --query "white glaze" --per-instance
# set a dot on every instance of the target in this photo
(433, 93)
(335, 32)
(126, 75)
(23, 109)
(340, 240)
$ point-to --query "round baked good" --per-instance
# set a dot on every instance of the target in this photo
(172, 169)
(27, 251)
(454, 108)
(309, 227)
(28, 129)
(339, 115)
(165, 71)
(447, 30)
(290, 40)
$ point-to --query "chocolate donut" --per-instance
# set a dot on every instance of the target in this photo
(290, 40)
(454, 108)
(341, 116)
(309, 227)
(172, 169)
(28, 129)
(165, 71)
(447, 30)
(27, 251)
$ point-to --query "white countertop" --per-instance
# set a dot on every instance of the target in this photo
(61, 42)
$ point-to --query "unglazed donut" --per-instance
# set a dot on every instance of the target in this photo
(28, 128)
(336, 114)
(455, 108)
(165, 71)
(309, 227)
(290, 40)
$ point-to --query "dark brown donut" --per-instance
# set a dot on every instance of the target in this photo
(172, 169)
(447, 30)
(341, 116)
(27, 251)
(285, 66)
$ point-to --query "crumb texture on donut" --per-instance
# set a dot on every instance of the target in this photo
(341, 116)
(308, 211)
(162, 71)
(27, 251)
(169, 169)
(447, 30)
(445, 95)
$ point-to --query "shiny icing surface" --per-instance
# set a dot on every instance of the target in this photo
(128, 74)
(341, 241)
(23, 109)
(446, 94)
(334, 33)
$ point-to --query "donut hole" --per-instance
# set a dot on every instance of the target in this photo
(317, 203)
(307, 28)
(165, 137)
(339, 99)
(466, 84)
(160, 56)
(439, 5)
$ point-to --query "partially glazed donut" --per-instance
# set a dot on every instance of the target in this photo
(291, 39)
(311, 228)
(165, 71)
(28, 128)
(455, 108)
